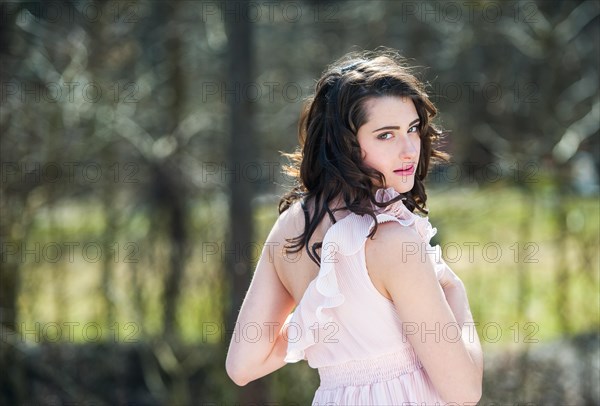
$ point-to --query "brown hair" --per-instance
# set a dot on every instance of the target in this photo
(329, 162)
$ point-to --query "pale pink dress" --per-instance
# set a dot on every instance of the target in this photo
(349, 331)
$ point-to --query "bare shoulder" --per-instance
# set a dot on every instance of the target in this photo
(390, 239)
(396, 252)
(289, 223)
(292, 223)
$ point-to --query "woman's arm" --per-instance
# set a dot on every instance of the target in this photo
(445, 347)
(258, 345)
(456, 296)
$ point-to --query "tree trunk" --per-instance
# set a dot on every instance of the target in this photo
(174, 200)
(12, 202)
(242, 150)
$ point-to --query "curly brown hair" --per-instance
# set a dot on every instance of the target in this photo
(329, 164)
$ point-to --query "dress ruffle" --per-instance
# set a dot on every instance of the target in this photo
(398, 211)
(403, 215)
(345, 238)
(323, 292)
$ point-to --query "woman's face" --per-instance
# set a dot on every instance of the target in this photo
(390, 140)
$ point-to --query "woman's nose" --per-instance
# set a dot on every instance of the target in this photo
(407, 147)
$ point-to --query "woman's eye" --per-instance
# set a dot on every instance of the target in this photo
(385, 136)
(413, 129)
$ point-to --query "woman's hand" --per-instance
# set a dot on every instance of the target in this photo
(447, 278)
(455, 293)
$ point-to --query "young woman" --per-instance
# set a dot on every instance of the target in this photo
(375, 307)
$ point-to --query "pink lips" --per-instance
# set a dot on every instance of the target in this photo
(407, 171)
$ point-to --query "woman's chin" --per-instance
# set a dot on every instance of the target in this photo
(403, 188)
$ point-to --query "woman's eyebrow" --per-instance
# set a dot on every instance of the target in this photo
(393, 127)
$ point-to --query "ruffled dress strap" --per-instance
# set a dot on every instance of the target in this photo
(323, 293)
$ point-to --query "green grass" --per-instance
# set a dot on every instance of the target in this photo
(499, 217)
(508, 219)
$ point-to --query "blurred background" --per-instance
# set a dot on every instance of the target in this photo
(141, 172)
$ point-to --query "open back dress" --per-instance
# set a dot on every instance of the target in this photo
(348, 330)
